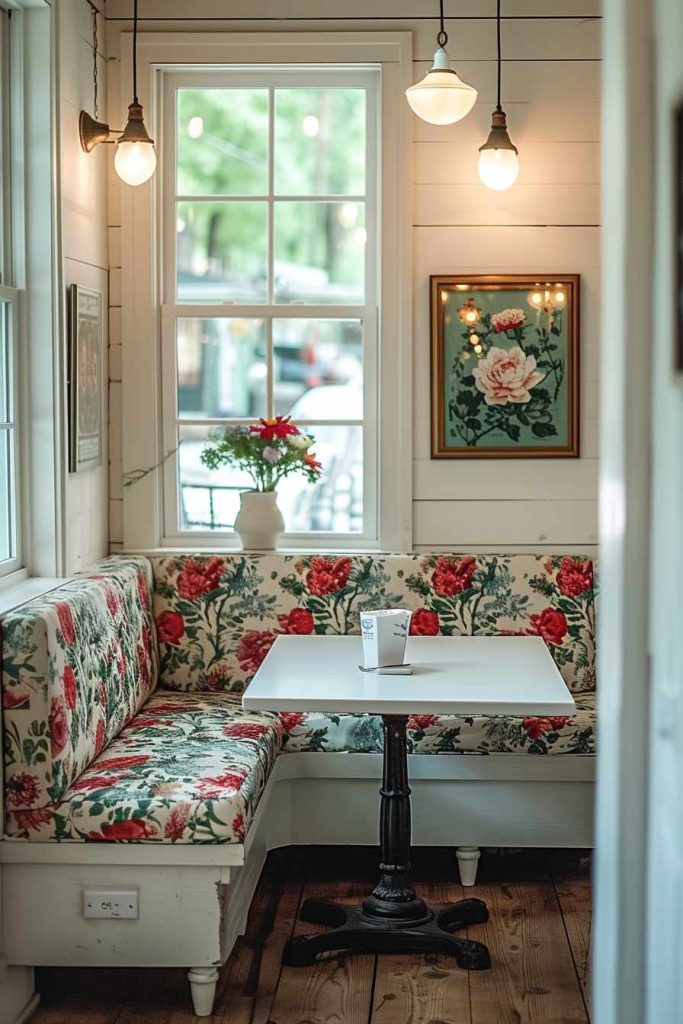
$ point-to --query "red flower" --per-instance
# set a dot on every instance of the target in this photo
(133, 829)
(218, 678)
(327, 575)
(66, 622)
(424, 623)
(551, 625)
(299, 620)
(177, 822)
(22, 789)
(290, 719)
(199, 578)
(69, 684)
(112, 599)
(451, 577)
(245, 730)
(536, 727)
(238, 827)
(312, 463)
(279, 427)
(213, 787)
(15, 699)
(575, 577)
(59, 727)
(422, 722)
(253, 648)
(143, 589)
(100, 738)
(115, 764)
(170, 627)
(27, 820)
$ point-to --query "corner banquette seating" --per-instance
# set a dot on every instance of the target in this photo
(131, 766)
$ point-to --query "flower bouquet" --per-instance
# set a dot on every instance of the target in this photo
(268, 451)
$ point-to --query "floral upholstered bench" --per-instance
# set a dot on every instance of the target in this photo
(131, 766)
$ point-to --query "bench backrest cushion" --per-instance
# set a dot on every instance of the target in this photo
(217, 616)
(77, 664)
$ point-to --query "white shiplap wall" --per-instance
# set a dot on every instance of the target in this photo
(547, 224)
(83, 189)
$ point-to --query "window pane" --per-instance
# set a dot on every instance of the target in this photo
(335, 503)
(320, 252)
(6, 495)
(222, 252)
(209, 499)
(222, 142)
(318, 369)
(221, 368)
(320, 142)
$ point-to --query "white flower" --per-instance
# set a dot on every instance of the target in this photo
(301, 442)
(272, 455)
(506, 376)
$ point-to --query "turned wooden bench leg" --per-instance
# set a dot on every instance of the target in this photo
(203, 987)
(468, 862)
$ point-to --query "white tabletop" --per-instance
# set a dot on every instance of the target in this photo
(459, 675)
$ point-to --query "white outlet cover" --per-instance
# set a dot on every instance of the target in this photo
(111, 904)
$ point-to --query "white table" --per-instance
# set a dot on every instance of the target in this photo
(498, 675)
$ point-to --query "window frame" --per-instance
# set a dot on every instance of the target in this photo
(9, 304)
(269, 311)
(145, 451)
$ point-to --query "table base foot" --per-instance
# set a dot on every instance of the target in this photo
(353, 932)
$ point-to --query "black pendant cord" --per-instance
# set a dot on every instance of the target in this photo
(498, 107)
(135, 51)
(442, 37)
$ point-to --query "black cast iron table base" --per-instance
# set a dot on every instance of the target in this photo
(393, 919)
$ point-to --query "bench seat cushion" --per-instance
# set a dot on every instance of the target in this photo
(189, 768)
(441, 734)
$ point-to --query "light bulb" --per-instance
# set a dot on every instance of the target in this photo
(441, 97)
(498, 168)
(135, 162)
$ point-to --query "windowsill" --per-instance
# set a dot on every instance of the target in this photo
(13, 595)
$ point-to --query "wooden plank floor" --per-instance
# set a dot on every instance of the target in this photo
(538, 935)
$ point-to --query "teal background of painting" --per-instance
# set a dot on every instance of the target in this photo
(455, 340)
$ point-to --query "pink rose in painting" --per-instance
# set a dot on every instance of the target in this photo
(506, 376)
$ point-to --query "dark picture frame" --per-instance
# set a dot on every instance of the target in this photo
(505, 366)
(85, 390)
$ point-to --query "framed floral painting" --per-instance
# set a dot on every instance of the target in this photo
(505, 366)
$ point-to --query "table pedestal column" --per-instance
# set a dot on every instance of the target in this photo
(393, 919)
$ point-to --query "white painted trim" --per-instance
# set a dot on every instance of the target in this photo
(141, 416)
(29, 1009)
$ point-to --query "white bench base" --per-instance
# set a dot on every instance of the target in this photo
(194, 900)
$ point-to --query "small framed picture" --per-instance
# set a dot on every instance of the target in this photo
(85, 378)
(505, 366)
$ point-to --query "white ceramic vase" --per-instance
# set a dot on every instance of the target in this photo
(259, 521)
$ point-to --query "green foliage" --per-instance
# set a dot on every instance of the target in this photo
(267, 460)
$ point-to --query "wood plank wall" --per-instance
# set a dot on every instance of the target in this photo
(548, 223)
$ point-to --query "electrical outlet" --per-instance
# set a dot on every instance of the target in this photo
(111, 904)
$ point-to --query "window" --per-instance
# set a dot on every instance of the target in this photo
(270, 290)
(10, 541)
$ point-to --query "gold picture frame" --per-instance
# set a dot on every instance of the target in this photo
(505, 366)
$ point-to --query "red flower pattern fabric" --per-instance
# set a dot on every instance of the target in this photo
(198, 578)
(185, 770)
(218, 640)
(80, 662)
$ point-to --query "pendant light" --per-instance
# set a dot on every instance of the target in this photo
(441, 97)
(134, 159)
(498, 162)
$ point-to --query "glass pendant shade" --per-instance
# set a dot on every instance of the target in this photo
(441, 97)
(498, 160)
(135, 160)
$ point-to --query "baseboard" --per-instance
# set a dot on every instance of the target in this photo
(28, 1010)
